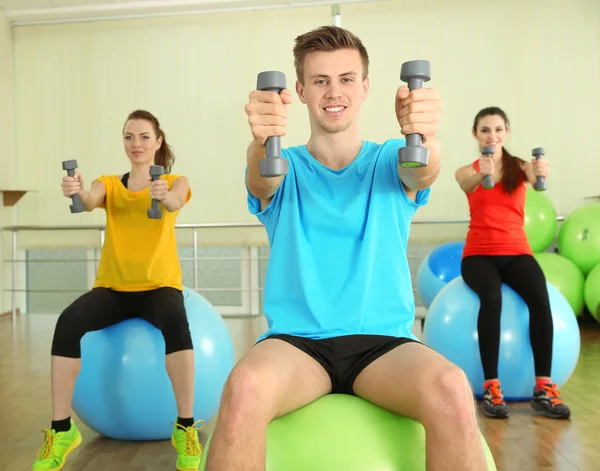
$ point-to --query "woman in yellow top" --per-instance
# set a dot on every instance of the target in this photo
(139, 275)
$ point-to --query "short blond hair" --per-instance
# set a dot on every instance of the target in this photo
(327, 38)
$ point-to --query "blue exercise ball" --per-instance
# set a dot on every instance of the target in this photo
(124, 392)
(438, 268)
(451, 330)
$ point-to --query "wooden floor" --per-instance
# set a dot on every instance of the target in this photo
(522, 443)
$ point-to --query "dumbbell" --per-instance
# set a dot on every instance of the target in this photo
(415, 74)
(540, 184)
(155, 172)
(273, 165)
(488, 181)
(77, 206)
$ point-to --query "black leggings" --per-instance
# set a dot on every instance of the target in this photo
(485, 274)
(102, 307)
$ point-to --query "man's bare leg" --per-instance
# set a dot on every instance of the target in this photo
(414, 381)
(273, 379)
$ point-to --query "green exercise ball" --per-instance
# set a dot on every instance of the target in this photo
(591, 292)
(345, 433)
(565, 276)
(540, 220)
(579, 237)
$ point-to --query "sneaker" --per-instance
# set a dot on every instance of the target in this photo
(493, 402)
(57, 446)
(189, 450)
(548, 401)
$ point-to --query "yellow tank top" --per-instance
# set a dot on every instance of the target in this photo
(139, 253)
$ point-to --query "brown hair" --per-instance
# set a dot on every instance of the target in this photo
(512, 173)
(164, 155)
(327, 38)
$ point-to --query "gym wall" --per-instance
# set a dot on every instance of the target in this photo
(75, 84)
(8, 157)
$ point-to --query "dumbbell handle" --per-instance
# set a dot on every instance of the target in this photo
(155, 212)
(488, 181)
(273, 165)
(415, 139)
(76, 199)
(540, 183)
(413, 154)
(273, 147)
(155, 204)
(77, 206)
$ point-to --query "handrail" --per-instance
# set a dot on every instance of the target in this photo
(209, 225)
(206, 225)
(14, 230)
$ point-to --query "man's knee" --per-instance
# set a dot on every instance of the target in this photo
(449, 393)
(246, 392)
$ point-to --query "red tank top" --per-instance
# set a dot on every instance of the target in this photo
(497, 220)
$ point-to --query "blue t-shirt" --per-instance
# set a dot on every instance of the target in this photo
(338, 241)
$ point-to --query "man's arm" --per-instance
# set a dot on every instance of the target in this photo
(417, 179)
(260, 187)
(419, 112)
(267, 117)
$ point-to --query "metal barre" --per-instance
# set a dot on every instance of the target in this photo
(210, 225)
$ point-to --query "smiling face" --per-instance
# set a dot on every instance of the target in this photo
(141, 144)
(333, 88)
(491, 130)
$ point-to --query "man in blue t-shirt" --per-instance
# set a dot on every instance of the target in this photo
(338, 295)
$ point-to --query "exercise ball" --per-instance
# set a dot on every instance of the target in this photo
(344, 432)
(579, 237)
(565, 276)
(592, 292)
(540, 220)
(437, 269)
(451, 330)
(123, 391)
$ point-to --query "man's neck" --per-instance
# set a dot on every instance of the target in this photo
(335, 151)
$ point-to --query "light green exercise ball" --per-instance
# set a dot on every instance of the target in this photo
(540, 220)
(345, 433)
(591, 292)
(565, 276)
(579, 237)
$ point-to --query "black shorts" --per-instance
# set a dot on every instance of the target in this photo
(346, 356)
(100, 308)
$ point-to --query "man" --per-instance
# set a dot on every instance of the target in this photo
(338, 293)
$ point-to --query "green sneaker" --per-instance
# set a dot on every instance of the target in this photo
(57, 446)
(189, 450)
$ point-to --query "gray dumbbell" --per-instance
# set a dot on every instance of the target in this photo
(488, 181)
(77, 206)
(273, 165)
(540, 184)
(415, 74)
(155, 172)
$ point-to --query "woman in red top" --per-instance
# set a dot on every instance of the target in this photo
(496, 252)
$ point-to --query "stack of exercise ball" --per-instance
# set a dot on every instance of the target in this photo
(560, 271)
(540, 220)
(579, 242)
